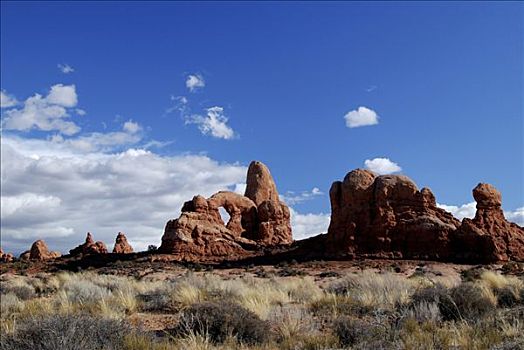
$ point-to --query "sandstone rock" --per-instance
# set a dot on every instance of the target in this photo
(39, 251)
(122, 246)
(89, 247)
(488, 237)
(388, 217)
(25, 255)
(257, 220)
(6, 257)
(260, 185)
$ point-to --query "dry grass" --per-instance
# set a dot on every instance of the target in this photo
(368, 309)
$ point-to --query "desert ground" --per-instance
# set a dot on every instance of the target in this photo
(149, 303)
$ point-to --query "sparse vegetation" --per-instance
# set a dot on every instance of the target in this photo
(208, 310)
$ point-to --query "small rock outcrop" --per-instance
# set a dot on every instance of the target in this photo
(6, 257)
(122, 246)
(388, 217)
(89, 247)
(489, 236)
(256, 220)
(40, 251)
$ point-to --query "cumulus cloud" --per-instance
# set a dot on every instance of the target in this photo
(45, 113)
(65, 68)
(292, 198)
(195, 82)
(460, 212)
(516, 216)
(214, 123)
(106, 142)
(382, 166)
(7, 100)
(62, 95)
(132, 127)
(56, 192)
(468, 210)
(362, 116)
(80, 112)
(308, 225)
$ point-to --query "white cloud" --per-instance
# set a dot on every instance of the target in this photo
(516, 216)
(57, 192)
(292, 198)
(382, 166)
(239, 188)
(62, 95)
(65, 68)
(361, 117)
(214, 123)
(7, 100)
(468, 210)
(45, 113)
(180, 104)
(460, 212)
(80, 112)
(194, 82)
(308, 225)
(132, 127)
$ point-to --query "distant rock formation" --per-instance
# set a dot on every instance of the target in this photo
(6, 257)
(122, 246)
(89, 247)
(40, 251)
(388, 217)
(489, 236)
(257, 220)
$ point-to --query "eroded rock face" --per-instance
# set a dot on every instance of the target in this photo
(388, 217)
(40, 251)
(89, 247)
(122, 246)
(489, 236)
(6, 257)
(257, 220)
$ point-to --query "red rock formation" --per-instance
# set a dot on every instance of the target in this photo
(489, 236)
(39, 251)
(388, 217)
(25, 255)
(89, 247)
(6, 257)
(122, 246)
(257, 219)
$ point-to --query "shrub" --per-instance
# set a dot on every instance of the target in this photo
(439, 295)
(154, 301)
(22, 290)
(352, 331)
(85, 292)
(507, 296)
(66, 332)
(473, 300)
(423, 312)
(9, 303)
(374, 290)
(291, 322)
(218, 320)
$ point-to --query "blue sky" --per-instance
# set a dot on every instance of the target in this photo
(444, 79)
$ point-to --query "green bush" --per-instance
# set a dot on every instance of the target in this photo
(218, 320)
